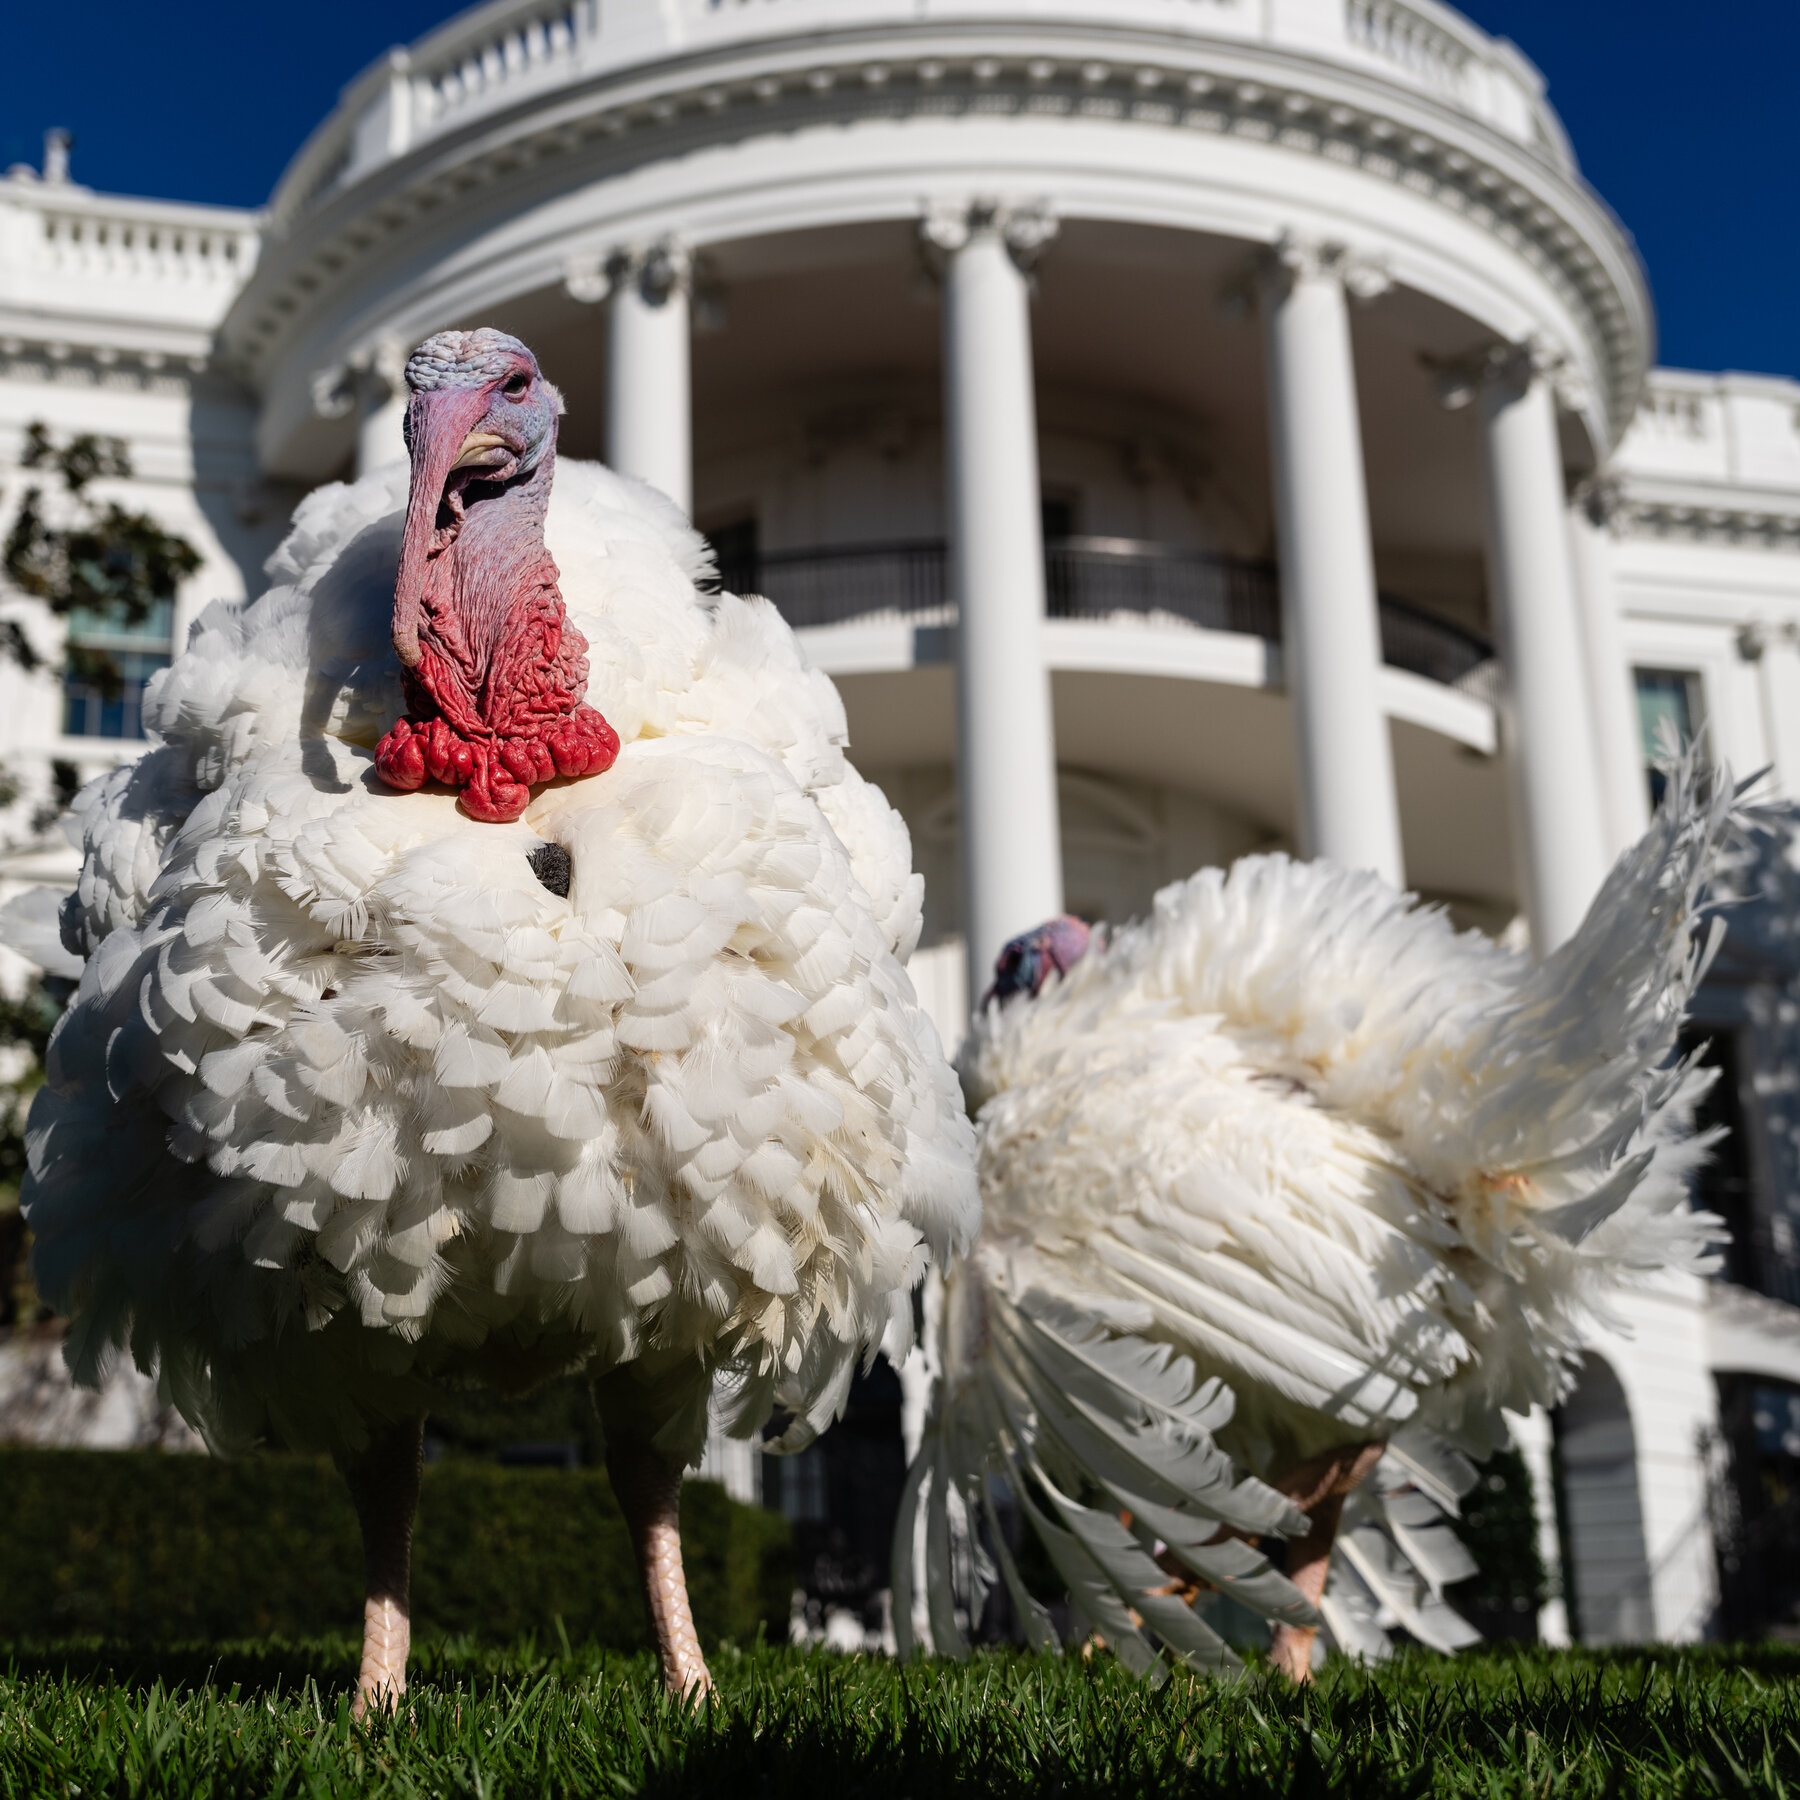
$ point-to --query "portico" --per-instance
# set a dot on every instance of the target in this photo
(1105, 373)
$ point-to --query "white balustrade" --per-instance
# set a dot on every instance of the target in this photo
(1400, 34)
(495, 55)
(525, 44)
(152, 248)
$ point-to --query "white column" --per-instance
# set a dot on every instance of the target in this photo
(1778, 668)
(370, 387)
(1612, 693)
(1534, 1441)
(649, 376)
(381, 419)
(1006, 744)
(1558, 815)
(1331, 628)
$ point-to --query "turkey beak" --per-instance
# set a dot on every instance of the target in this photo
(441, 422)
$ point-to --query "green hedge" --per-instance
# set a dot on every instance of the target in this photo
(162, 1548)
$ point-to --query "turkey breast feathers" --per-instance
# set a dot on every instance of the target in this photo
(349, 1102)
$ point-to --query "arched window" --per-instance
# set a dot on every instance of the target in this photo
(1607, 1570)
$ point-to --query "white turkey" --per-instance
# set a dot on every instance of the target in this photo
(611, 1064)
(1292, 1184)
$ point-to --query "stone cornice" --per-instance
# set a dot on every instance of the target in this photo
(1698, 512)
(34, 353)
(1308, 106)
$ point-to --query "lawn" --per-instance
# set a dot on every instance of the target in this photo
(272, 1718)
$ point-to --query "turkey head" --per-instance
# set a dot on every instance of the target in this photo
(1030, 959)
(494, 673)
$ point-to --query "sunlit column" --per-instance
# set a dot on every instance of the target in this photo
(1611, 691)
(649, 376)
(370, 387)
(1006, 743)
(381, 407)
(1331, 629)
(1533, 1439)
(1551, 741)
(1776, 651)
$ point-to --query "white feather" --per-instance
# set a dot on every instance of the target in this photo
(1355, 1176)
(378, 1079)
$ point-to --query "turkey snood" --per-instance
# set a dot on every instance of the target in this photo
(494, 673)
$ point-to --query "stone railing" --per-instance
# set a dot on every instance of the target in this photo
(497, 55)
(1436, 48)
(1713, 428)
(119, 245)
(476, 64)
(522, 46)
(1403, 35)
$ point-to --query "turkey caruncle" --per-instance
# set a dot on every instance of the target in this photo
(1287, 1191)
(365, 1093)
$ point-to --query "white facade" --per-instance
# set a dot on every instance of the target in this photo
(1248, 369)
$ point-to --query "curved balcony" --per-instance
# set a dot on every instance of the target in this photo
(1089, 578)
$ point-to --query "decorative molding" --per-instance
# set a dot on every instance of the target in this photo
(1639, 515)
(657, 271)
(586, 281)
(1599, 500)
(1459, 379)
(1522, 200)
(1294, 258)
(1027, 228)
(363, 381)
(99, 365)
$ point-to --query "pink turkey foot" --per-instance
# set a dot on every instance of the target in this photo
(384, 1484)
(496, 774)
(1319, 1487)
(649, 1494)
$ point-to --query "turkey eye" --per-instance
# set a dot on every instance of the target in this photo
(515, 386)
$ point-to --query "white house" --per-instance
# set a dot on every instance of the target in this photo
(1180, 426)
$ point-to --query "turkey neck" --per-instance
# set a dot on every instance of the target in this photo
(487, 557)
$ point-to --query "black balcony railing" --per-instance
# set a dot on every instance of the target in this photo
(1085, 578)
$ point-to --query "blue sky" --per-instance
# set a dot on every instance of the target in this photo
(1688, 130)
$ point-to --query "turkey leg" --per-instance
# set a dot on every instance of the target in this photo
(1319, 1487)
(384, 1484)
(649, 1494)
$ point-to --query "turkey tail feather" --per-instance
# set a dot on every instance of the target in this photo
(1104, 1443)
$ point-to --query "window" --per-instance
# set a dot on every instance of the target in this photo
(795, 1485)
(109, 660)
(1665, 697)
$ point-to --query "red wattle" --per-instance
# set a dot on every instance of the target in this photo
(496, 733)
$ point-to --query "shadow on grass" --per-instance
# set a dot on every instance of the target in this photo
(253, 1718)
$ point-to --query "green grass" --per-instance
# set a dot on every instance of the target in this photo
(272, 1718)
